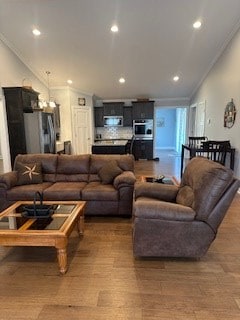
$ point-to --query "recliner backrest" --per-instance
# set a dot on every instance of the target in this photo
(203, 184)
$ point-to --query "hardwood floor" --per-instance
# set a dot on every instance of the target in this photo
(105, 281)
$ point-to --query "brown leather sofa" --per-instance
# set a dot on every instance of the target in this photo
(106, 182)
(182, 221)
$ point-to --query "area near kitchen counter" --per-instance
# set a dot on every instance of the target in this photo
(110, 146)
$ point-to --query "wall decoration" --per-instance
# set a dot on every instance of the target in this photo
(229, 114)
(161, 122)
(81, 101)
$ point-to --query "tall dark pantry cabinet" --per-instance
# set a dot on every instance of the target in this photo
(18, 100)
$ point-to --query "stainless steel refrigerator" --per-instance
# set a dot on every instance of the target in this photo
(39, 132)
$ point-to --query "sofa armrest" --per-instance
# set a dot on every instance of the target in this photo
(158, 191)
(8, 180)
(126, 178)
(161, 210)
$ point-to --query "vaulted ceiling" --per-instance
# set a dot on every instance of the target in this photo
(156, 41)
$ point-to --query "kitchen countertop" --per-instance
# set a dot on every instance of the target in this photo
(59, 146)
(110, 142)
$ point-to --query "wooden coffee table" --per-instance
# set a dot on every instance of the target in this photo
(16, 230)
(166, 180)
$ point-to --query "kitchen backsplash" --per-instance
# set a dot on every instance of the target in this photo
(114, 132)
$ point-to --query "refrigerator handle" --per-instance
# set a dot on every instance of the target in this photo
(51, 132)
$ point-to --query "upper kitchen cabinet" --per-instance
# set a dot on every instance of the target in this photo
(113, 108)
(127, 116)
(98, 116)
(143, 109)
(22, 98)
(18, 100)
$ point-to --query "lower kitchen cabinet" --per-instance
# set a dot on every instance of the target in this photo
(143, 149)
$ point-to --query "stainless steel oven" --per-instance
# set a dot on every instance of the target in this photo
(143, 128)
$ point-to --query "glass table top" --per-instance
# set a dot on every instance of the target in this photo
(16, 219)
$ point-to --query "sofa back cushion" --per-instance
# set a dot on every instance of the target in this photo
(203, 184)
(73, 168)
(48, 163)
(125, 163)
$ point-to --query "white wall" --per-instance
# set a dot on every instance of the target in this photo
(220, 86)
(13, 72)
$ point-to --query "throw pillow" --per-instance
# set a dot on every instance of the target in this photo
(185, 196)
(109, 171)
(29, 173)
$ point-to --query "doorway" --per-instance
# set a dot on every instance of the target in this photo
(170, 129)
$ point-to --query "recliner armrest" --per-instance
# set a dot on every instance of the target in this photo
(126, 178)
(145, 208)
(156, 191)
(8, 180)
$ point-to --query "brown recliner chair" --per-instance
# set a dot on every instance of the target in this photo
(182, 221)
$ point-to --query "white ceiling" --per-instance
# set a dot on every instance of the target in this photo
(155, 41)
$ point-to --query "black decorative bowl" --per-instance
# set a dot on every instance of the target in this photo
(38, 211)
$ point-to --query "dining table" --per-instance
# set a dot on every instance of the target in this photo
(193, 150)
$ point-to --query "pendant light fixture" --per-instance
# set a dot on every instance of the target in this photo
(50, 102)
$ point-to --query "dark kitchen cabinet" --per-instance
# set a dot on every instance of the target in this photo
(127, 117)
(98, 116)
(143, 149)
(18, 100)
(113, 108)
(143, 109)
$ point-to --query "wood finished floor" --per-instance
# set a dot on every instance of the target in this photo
(105, 282)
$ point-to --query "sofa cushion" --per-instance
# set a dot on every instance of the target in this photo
(26, 192)
(97, 161)
(97, 191)
(64, 191)
(29, 173)
(73, 168)
(109, 171)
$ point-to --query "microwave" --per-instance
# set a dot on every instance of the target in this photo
(113, 121)
(143, 128)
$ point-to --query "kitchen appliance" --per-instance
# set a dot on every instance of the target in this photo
(143, 128)
(39, 132)
(113, 121)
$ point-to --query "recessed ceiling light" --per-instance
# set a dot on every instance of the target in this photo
(114, 28)
(175, 78)
(36, 32)
(121, 80)
(69, 81)
(197, 24)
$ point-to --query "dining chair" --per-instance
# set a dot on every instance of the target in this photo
(216, 150)
(196, 143)
(129, 148)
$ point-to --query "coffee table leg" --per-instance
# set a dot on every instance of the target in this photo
(80, 225)
(62, 259)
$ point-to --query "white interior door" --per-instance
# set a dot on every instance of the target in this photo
(192, 120)
(197, 115)
(200, 121)
(81, 130)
